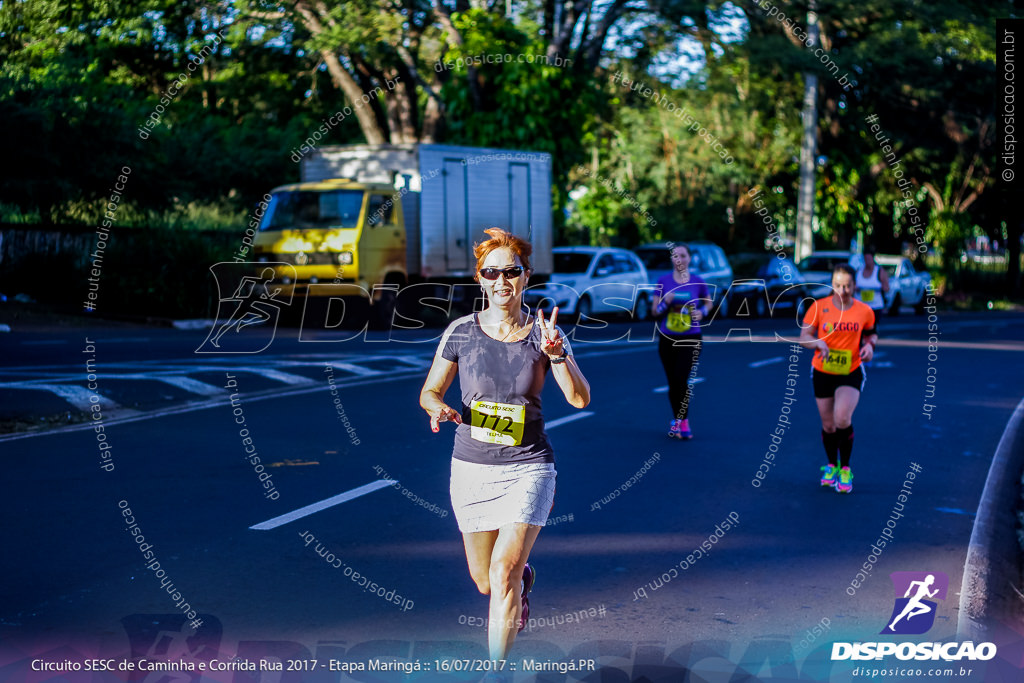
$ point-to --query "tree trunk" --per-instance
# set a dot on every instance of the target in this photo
(343, 80)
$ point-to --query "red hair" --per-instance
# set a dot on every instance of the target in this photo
(501, 239)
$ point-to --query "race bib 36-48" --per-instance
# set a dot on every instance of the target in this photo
(838, 361)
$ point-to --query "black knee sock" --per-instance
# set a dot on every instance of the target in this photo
(844, 439)
(828, 439)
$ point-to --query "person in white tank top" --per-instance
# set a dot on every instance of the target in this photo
(872, 281)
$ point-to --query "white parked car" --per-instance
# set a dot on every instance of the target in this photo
(590, 280)
(817, 270)
(907, 286)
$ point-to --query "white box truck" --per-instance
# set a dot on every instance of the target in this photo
(385, 216)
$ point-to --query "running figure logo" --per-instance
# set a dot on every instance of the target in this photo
(252, 302)
(914, 612)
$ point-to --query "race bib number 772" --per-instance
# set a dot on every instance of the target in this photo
(499, 423)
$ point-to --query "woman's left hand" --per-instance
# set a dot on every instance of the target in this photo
(696, 314)
(552, 341)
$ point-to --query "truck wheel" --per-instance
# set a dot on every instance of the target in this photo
(382, 314)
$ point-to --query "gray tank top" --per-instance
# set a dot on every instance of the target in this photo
(501, 383)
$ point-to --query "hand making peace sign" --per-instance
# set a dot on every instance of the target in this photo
(552, 344)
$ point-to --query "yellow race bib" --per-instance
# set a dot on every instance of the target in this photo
(838, 362)
(867, 295)
(679, 322)
(500, 423)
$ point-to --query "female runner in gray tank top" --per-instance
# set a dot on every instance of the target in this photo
(502, 470)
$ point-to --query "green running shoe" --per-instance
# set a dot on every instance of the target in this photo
(845, 483)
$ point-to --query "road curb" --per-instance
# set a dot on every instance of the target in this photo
(992, 568)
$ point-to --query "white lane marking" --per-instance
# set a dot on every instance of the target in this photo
(190, 385)
(76, 396)
(267, 395)
(664, 389)
(568, 418)
(767, 361)
(354, 369)
(322, 505)
(286, 377)
(416, 361)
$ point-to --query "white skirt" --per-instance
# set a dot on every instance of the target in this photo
(488, 497)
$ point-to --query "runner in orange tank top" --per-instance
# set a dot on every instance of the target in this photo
(842, 332)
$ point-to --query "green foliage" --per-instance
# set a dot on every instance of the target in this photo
(78, 85)
(78, 80)
(691, 156)
(524, 102)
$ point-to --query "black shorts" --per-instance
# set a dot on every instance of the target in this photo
(825, 384)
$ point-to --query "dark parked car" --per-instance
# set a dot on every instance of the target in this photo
(765, 284)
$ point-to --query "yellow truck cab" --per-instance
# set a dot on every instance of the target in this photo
(332, 232)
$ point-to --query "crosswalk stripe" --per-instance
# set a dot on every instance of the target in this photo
(190, 385)
(75, 395)
(354, 369)
(286, 377)
(416, 361)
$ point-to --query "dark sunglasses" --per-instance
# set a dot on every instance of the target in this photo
(510, 273)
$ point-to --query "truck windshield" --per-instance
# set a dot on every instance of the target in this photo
(312, 209)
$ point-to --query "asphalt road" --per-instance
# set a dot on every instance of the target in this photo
(76, 583)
